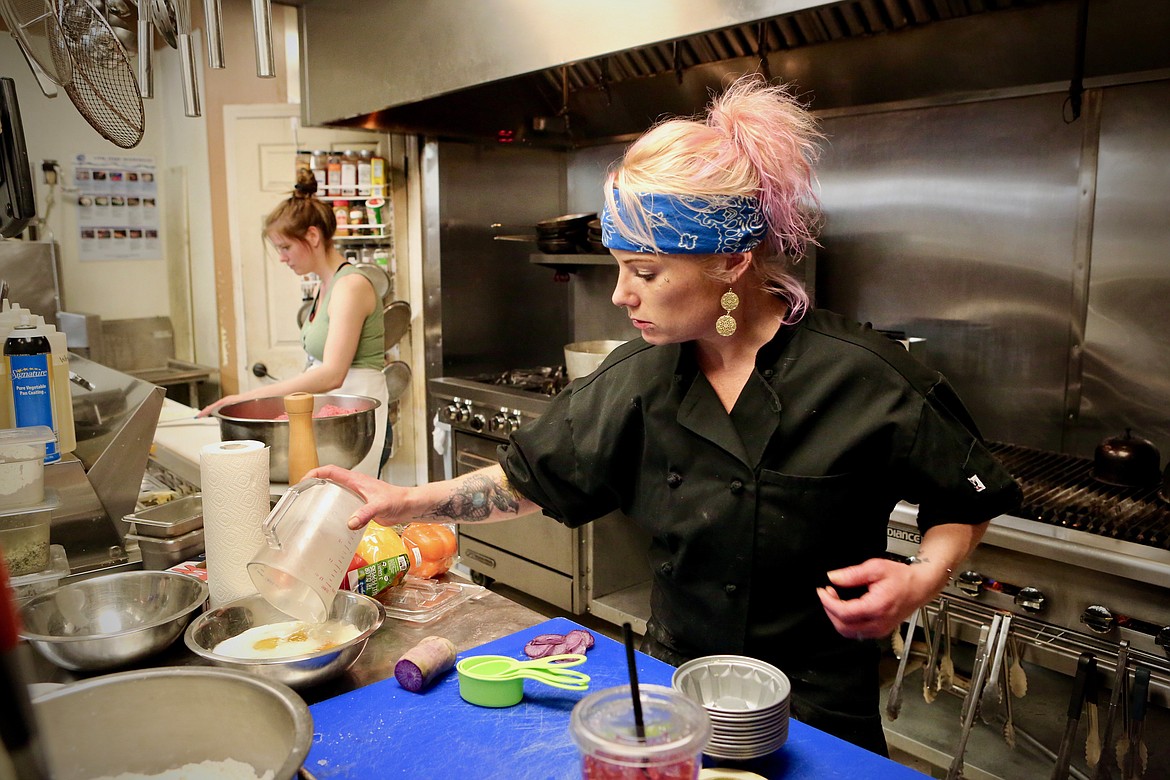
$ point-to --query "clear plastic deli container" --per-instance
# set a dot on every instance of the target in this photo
(24, 536)
(22, 466)
(27, 586)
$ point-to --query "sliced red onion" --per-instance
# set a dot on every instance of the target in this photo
(585, 636)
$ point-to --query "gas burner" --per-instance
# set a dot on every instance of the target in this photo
(544, 380)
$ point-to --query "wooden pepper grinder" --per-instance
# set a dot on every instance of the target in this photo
(302, 442)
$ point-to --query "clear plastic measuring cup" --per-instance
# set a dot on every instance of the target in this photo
(308, 549)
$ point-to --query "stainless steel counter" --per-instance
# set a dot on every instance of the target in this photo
(468, 625)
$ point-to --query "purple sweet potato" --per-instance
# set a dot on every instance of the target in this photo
(423, 663)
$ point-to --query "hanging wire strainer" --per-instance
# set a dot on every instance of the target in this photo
(103, 88)
(34, 25)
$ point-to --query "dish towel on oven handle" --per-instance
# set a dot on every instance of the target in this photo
(441, 444)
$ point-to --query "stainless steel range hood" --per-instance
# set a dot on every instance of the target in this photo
(568, 75)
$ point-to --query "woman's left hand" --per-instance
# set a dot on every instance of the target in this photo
(894, 590)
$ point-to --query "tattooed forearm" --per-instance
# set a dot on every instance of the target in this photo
(474, 499)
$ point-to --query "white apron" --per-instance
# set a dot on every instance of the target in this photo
(371, 383)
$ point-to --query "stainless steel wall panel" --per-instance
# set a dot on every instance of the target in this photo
(499, 311)
(1126, 380)
(957, 224)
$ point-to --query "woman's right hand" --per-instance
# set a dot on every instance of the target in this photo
(211, 407)
(384, 502)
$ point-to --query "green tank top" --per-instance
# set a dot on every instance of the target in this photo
(371, 346)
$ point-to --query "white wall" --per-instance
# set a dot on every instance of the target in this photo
(55, 130)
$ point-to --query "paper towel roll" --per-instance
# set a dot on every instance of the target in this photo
(234, 477)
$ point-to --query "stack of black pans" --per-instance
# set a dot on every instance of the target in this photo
(593, 238)
(566, 235)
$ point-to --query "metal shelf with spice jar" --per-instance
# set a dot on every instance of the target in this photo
(355, 184)
(362, 220)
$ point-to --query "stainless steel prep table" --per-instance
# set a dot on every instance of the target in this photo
(470, 624)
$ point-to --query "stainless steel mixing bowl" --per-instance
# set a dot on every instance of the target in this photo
(111, 620)
(342, 440)
(153, 720)
(211, 628)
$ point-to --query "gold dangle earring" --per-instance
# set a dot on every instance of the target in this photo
(725, 325)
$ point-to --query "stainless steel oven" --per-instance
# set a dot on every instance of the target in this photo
(600, 568)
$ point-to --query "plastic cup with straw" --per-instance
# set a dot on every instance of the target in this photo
(631, 731)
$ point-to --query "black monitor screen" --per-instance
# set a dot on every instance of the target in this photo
(17, 203)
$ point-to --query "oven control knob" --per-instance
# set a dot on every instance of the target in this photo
(478, 422)
(458, 411)
(1099, 619)
(970, 582)
(1031, 600)
(499, 423)
(514, 421)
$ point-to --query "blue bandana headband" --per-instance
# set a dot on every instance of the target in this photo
(689, 225)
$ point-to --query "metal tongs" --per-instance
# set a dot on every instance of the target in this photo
(933, 674)
(991, 701)
(894, 702)
(988, 637)
(1135, 757)
(1086, 669)
(1120, 675)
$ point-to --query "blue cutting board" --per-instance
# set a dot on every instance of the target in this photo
(382, 730)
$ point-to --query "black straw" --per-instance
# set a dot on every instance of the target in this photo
(628, 636)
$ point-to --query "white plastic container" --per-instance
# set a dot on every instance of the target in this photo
(22, 466)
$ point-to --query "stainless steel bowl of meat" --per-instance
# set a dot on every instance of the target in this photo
(343, 426)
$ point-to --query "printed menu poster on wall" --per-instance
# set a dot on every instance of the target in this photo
(117, 207)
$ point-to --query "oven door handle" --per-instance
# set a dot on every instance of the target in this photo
(471, 461)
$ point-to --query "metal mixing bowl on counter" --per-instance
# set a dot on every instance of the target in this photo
(153, 720)
(112, 620)
(211, 628)
(343, 435)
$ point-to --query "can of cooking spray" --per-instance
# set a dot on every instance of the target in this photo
(28, 358)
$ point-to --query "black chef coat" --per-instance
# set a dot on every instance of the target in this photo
(749, 510)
